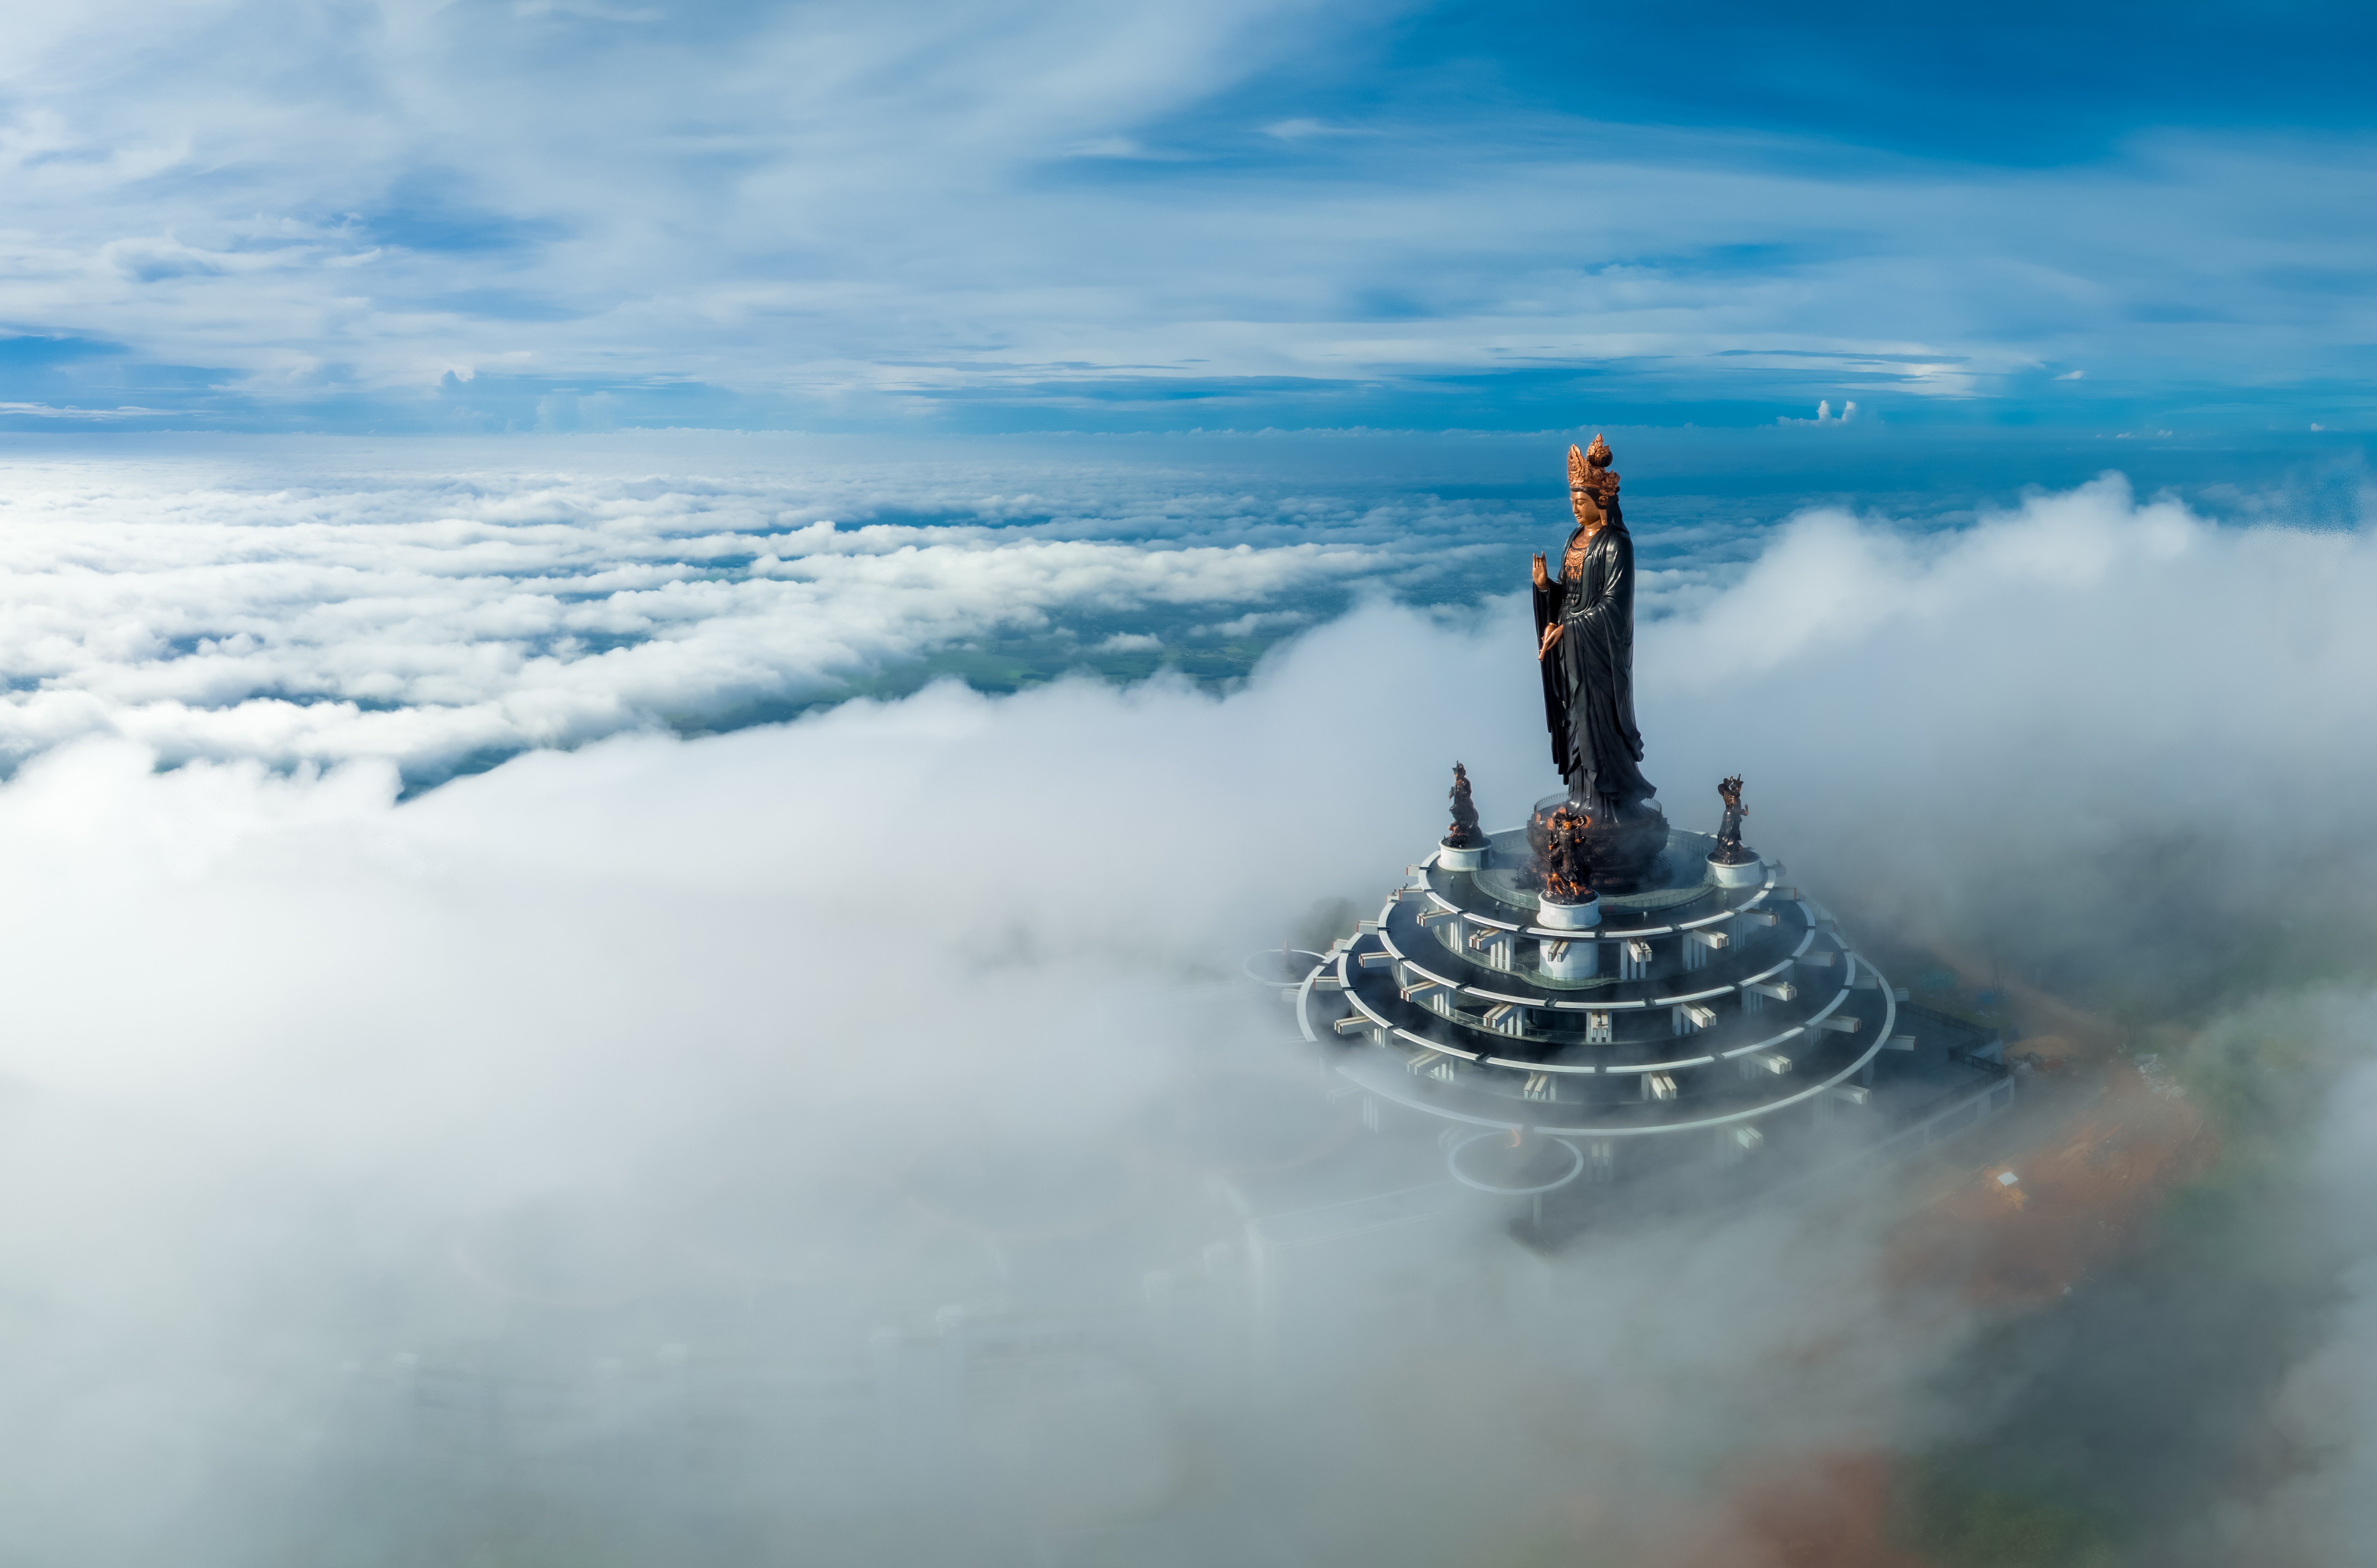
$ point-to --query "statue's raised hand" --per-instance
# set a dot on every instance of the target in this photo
(1543, 579)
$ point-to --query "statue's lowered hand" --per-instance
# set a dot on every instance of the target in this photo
(1551, 636)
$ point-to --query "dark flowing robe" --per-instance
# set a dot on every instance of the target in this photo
(1589, 676)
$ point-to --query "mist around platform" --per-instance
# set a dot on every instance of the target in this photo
(603, 1061)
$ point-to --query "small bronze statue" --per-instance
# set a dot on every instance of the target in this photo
(1567, 873)
(1464, 833)
(1729, 850)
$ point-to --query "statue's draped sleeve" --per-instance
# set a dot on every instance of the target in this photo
(1549, 597)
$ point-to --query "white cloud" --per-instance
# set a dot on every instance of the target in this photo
(861, 216)
(681, 1018)
(1824, 414)
(455, 602)
(1300, 128)
(377, 1041)
(103, 416)
(1133, 642)
(671, 1026)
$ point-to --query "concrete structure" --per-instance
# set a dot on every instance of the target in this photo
(1698, 1023)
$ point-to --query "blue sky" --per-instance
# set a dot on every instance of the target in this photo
(568, 216)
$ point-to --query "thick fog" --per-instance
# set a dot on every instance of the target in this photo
(589, 1160)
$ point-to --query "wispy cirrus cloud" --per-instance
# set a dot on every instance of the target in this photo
(1083, 216)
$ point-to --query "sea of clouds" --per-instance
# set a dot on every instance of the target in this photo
(320, 602)
(293, 1050)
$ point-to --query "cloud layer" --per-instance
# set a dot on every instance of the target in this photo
(441, 605)
(531, 1159)
(465, 604)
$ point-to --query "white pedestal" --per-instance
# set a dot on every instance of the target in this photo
(1567, 917)
(1578, 958)
(1450, 858)
(1748, 874)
